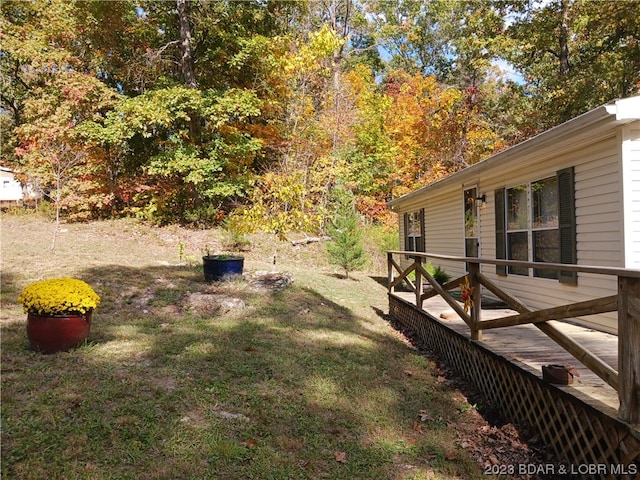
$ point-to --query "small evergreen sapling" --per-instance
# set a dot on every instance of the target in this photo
(345, 248)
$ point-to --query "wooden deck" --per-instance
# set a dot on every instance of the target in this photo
(530, 349)
(596, 420)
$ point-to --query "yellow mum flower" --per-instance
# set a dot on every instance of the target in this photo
(58, 296)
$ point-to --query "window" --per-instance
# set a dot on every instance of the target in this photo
(544, 229)
(471, 222)
(536, 222)
(517, 228)
(414, 231)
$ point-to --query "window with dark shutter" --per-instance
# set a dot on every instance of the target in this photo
(414, 231)
(501, 241)
(567, 223)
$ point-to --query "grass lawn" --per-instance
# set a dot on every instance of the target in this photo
(306, 382)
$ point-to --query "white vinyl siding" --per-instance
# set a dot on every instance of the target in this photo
(599, 229)
(447, 238)
(631, 182)
(443, 235)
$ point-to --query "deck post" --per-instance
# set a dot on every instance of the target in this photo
(476, 296)
(628, 351)
(390, 272)
(419, 281)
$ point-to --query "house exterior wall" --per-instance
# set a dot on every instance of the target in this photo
(598, 202)
(601, 226)
(442, 234)
(630, 146)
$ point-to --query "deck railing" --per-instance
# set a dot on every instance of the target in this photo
(626, 380)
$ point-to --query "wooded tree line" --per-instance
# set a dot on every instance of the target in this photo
(254, 111)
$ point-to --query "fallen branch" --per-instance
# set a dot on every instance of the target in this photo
(307, 240)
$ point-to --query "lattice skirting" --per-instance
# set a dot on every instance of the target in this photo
(580, 435)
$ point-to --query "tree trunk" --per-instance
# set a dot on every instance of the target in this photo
(187, 64)
(186, 54)
(563, 39)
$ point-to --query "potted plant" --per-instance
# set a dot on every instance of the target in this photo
(217, 267)
(58, 312)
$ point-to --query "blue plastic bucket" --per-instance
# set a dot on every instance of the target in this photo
(217, 267)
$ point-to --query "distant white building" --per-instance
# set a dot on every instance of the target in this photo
(12, 192)
(10, 188)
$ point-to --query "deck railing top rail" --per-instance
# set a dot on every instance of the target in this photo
(602, 270)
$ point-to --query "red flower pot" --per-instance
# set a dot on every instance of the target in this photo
(57, 333)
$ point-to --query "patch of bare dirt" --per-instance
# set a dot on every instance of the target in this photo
(261, 280)
(208, 303)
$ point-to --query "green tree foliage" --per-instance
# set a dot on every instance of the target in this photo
(192, 111)
(183, 179)
(345, 248)
(411, 31)
(372, 153)
(50, 152)
(576, 55)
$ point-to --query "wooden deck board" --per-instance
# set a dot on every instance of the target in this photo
(529, 348)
